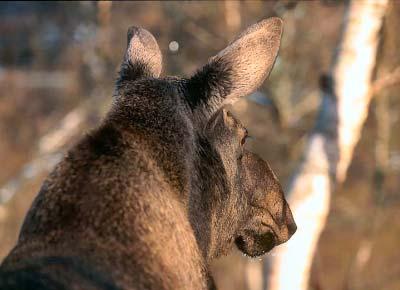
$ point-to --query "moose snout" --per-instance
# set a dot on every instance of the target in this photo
(272, 222)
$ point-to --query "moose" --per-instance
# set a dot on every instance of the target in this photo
(163, 186)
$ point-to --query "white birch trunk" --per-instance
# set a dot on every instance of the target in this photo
(330, 147)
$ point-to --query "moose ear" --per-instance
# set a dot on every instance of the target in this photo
(142, 57)
(238, 70)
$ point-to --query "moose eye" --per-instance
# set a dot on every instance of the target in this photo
(243, 140)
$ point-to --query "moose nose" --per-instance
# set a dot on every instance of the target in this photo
(290, 224)
(287, 227)
(292, 228)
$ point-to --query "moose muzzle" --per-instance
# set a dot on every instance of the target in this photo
(271, 221)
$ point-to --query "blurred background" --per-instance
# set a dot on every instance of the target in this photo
(58, 64)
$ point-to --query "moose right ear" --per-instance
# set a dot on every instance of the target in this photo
(236, 71)
(142, 57)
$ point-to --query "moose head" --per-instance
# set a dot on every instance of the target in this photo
(234, 196)
(245, 202)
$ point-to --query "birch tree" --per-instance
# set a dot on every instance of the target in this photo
(345, 96)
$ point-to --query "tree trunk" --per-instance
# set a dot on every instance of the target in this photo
(343, 110)
(387, 74)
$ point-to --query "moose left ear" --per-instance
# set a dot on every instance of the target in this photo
(238, 70)
(142, 57)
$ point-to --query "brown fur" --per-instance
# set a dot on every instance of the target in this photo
(162, 187)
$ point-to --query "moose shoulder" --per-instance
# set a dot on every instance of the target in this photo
(163, 186)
